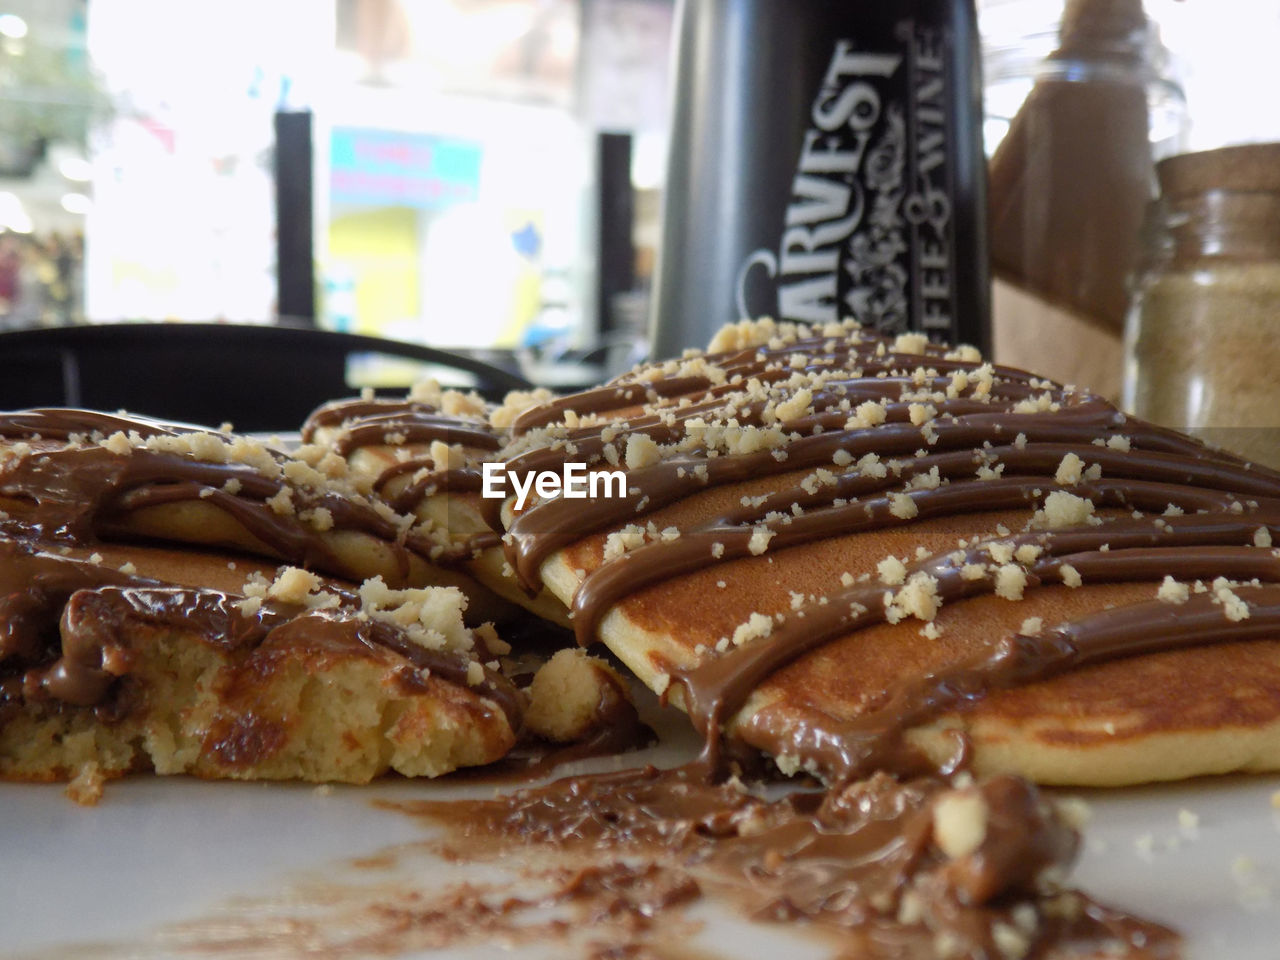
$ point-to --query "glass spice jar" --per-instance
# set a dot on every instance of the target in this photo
(1203, 336)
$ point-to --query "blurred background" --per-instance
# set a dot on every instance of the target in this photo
(476, 174)
(453, 152)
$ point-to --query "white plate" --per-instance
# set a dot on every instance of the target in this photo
(160, 851)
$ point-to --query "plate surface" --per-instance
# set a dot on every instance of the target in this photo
(114, 880)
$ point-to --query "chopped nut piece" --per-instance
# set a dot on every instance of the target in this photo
(910, 343)
(800, 405)
(892, 571)
(1011, 581)
(1069, 470)
(642, 451)
(902, 506)
(959, 822)
(759, 542)
(1233, 607)
(1062, 509)
(1171, 591)
(757, 625)
(919, 597)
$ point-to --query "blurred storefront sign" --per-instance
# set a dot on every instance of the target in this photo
(394, 168)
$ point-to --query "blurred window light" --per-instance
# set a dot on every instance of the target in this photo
(12, 26)
(76, 168)
(13, 216)
(76, 203)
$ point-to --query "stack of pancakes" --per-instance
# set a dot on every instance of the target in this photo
(852, 553)
(838, 551)
(145, 624)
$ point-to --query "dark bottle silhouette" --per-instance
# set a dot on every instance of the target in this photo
(826, 161)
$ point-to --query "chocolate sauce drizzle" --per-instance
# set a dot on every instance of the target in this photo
(359, 423)
(78, 492)
(1171, 507)
(864, 861)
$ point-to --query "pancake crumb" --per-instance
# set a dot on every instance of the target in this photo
(86, 787)
(566, 693)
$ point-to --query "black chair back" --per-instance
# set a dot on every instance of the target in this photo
(259, 377)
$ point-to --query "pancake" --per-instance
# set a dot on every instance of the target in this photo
(424, 455)
(854, 554)
(78, 476)
(105, 671)
(200, 656)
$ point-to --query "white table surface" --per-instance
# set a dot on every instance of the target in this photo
(161, 851)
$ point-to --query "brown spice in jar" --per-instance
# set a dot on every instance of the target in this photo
(1204, 338)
